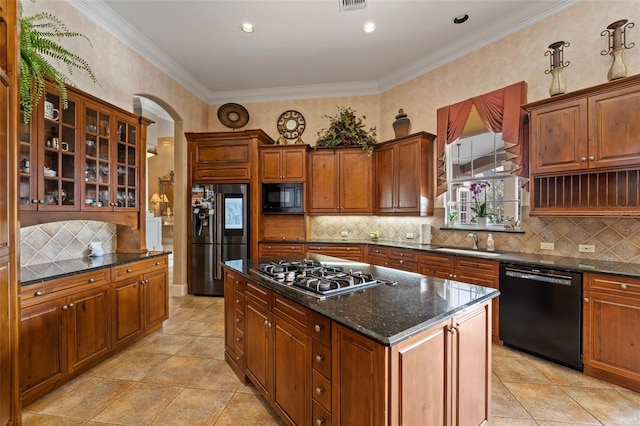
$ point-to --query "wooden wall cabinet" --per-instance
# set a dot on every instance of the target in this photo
(340, 181)
(483, 272)
(585, 151)
(404, 175)
(283, 163)
(611, 329)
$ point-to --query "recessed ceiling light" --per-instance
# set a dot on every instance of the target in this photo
(369, 27)
(461, 19)
(247, 27)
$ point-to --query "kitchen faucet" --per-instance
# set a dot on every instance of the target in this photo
(474, 237)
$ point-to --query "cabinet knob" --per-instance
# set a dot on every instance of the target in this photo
(319, 422)
(318, 328)
(65, 307)
(401, 261)
(71, 305)
(157, 263)
(238, 319)
(238, 301)
(34, 201)
(319, 358)
(591, 157)
(38, 293)
(401, 254)
(586, 300)
(266, 322)
(238, 339)
(237, 358)
(40, 201)
(91, 280)
(623, 286)
(583, 159)
(129, 270)
(319, 390)
(237, 282)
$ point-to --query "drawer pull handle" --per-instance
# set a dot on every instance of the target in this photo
(319, 390)
(319, 358)
(129, 270)
(92, 280)
(318, 328)
(38, 293)
(157, 263)
(623, 286)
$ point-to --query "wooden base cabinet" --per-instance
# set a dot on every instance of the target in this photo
(611, 329)
(61, 335)
(441, 376)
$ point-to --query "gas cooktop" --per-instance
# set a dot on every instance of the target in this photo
(316, 279)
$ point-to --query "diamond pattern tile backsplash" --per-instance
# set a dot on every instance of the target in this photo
(615, 239)
(64, 240)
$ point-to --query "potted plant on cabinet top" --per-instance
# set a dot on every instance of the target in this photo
(39, 35)
(346, 129)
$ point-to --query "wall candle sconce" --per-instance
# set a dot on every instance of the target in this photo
(617, 46)
(557, 64)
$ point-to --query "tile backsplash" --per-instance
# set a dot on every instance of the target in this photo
(615, 239)
(64, 240)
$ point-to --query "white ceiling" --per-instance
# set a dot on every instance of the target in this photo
(307, 48)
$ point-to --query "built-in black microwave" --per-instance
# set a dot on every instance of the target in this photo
(282, 197)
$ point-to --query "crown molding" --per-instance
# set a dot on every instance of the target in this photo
(316, 91)
(104, 16)
(425, 65)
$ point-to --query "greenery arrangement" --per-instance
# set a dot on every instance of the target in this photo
(39, 36)
(346, 129)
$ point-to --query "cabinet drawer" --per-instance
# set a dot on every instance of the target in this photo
(279, 249)
(34, 293)
(291, 311)
(440, 260)
(378, 260)
(320, 415)
(129, 270)
(257, 294)
(406, 255)
(436, 272)
(483, 266)
(322, 390)
(239, 319)
(350, 252)
(239, 344)
(405, 265)
(378, 251)
(320, 328)
(322, 359)
(612, 284)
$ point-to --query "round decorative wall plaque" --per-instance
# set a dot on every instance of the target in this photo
(233, 116)
(291, 125)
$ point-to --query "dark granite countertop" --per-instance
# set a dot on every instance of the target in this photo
(33, 274)
(386, 314)
(530, 259)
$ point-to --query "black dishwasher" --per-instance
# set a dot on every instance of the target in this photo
(541, 312)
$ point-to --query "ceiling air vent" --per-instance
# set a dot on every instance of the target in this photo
(347, 5)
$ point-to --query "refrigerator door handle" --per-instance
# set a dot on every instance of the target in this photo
(217, 267)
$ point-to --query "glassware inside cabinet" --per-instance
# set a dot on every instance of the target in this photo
(26, 163)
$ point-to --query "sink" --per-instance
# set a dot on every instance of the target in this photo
(468, 251)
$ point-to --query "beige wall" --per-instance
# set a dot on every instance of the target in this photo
(122, 74)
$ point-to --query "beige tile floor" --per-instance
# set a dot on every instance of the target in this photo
(178, 376)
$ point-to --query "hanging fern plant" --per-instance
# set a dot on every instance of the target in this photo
(39, 36)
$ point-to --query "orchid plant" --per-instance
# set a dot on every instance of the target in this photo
(480, 209)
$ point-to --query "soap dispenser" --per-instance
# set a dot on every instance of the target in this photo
(490, 243)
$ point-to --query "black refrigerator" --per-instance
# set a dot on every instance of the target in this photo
(219, 232)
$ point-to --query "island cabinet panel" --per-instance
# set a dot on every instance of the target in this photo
(403, 175)
(340, 181)
(259, 339)
(360, 372)
(611, 329)
(344, 251)
(234, 331)
(283, 163)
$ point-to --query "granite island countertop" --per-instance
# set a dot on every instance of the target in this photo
(33, 274)
(530, 259)
(387, 314)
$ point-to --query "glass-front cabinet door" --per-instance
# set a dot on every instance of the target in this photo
(97, 159)
(127, 164)
(28, 162)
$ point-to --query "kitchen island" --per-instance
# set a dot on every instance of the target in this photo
(412, 349)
